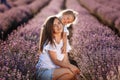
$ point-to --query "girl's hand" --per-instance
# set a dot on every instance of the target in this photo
(63, 49)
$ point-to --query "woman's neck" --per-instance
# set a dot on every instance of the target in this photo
(57, 37)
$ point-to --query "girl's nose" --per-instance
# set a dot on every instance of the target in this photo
(64, 21)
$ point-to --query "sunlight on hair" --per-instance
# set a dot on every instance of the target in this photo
(48, 19)
(60, 14)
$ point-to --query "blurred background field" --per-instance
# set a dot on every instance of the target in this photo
(95, 39)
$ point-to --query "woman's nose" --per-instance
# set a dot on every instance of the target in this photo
(59, 26)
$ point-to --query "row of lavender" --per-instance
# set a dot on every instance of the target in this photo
(8, 4)
(18, 55)
(95, 47)
(111, 3)
(18, 15)
(106, 10)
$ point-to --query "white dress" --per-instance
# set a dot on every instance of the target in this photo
(66, 29)
(45, 60)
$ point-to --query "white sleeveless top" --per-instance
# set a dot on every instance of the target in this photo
(45, 60)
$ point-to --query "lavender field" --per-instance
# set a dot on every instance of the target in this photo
(95, 38)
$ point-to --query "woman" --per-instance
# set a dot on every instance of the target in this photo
(52, 64)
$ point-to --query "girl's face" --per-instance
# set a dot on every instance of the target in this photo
(57, 26)
(66, 19)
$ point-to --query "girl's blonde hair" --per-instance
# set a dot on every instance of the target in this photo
(68, 11)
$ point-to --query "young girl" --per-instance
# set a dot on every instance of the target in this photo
(52, 64)
(68, 17)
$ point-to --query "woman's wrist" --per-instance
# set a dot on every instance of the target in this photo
(69, 66)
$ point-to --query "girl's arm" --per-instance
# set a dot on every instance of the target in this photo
(64, 42)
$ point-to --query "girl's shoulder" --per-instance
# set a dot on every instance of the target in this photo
(68, 25)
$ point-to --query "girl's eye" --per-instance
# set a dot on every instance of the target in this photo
(56, 25)
(58, 22)
(67, 17)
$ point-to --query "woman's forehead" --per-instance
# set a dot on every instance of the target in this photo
(56, 20)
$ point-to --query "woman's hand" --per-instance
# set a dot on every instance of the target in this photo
(74, 69)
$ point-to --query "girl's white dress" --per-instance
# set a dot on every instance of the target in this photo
(66, 29)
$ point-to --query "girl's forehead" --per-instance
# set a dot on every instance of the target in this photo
(68, 15)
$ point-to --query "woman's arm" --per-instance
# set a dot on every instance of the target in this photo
(63, 63)
(53, 57)
(73, 68)
(66, 59)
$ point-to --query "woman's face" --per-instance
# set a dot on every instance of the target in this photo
(57, 26)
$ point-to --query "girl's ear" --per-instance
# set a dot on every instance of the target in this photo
(75, 12)
(75, 21)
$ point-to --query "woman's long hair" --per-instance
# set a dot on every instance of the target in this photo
(47, 35)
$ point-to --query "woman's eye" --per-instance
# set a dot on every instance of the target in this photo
(54, 25)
